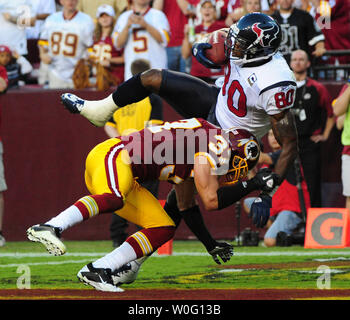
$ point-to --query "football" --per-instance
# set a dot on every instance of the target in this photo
(216, 53)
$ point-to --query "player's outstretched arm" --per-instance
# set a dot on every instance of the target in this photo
(215, 197)
(284, 129)
(206, 183)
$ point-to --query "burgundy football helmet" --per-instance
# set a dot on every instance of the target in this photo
(245, 152)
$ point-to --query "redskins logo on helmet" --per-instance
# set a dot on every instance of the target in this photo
(245, 152)
(251, 148)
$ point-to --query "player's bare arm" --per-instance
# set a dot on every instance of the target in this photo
(284, 129)
(185, 194)
(283, 126)
(206, 183)
(215, 196)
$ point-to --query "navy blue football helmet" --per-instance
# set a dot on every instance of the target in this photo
(255, 37)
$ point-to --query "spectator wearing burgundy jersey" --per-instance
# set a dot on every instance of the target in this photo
(208, 25)
(221, 9)
(314, 120)
(103, 50)
(177, 12)
(248, 6)
(333, 17)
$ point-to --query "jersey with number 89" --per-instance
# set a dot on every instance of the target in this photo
(67, 41)
(167, 152)
(250, 95)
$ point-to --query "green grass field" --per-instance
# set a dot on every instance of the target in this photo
(189, 267)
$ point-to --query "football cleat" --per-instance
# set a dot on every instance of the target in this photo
(49, 237)
(72, 102)
(126, 274)
(99, 278)
(97, 112)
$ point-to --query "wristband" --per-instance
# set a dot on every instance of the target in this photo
(229, 195)
(194, 220)
(271, 193)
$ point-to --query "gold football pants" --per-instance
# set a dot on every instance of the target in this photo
(107, 171)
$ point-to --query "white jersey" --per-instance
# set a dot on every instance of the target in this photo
(67, 41)
(14, 35)
(40, 7)
(249, 95)
(140, 44)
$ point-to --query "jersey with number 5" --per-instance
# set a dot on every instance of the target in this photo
(167, 152)
(140, 43)
(250, 95)
(67, 41)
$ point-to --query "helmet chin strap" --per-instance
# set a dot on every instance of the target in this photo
(243, 62)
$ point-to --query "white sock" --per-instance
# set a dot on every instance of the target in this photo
(99, 111)
(67, 218)
(118, 257)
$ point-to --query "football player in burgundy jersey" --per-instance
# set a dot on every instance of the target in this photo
(257, 93)
(216, 159)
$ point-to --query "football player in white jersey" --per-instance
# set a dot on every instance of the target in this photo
(144, 34)
(257, 93)
(64, 40)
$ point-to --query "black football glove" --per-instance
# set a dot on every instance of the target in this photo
(223, 250)
(260, 210)
(198, 50)
(266, 180)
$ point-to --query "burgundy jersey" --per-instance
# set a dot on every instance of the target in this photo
(104, 49)
(337, 34)
(167, 152)
(177, 21)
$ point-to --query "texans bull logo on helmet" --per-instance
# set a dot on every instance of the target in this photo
(255, 37)
(266, 33)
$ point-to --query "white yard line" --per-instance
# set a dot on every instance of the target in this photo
(14, 265)
(237, 254)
